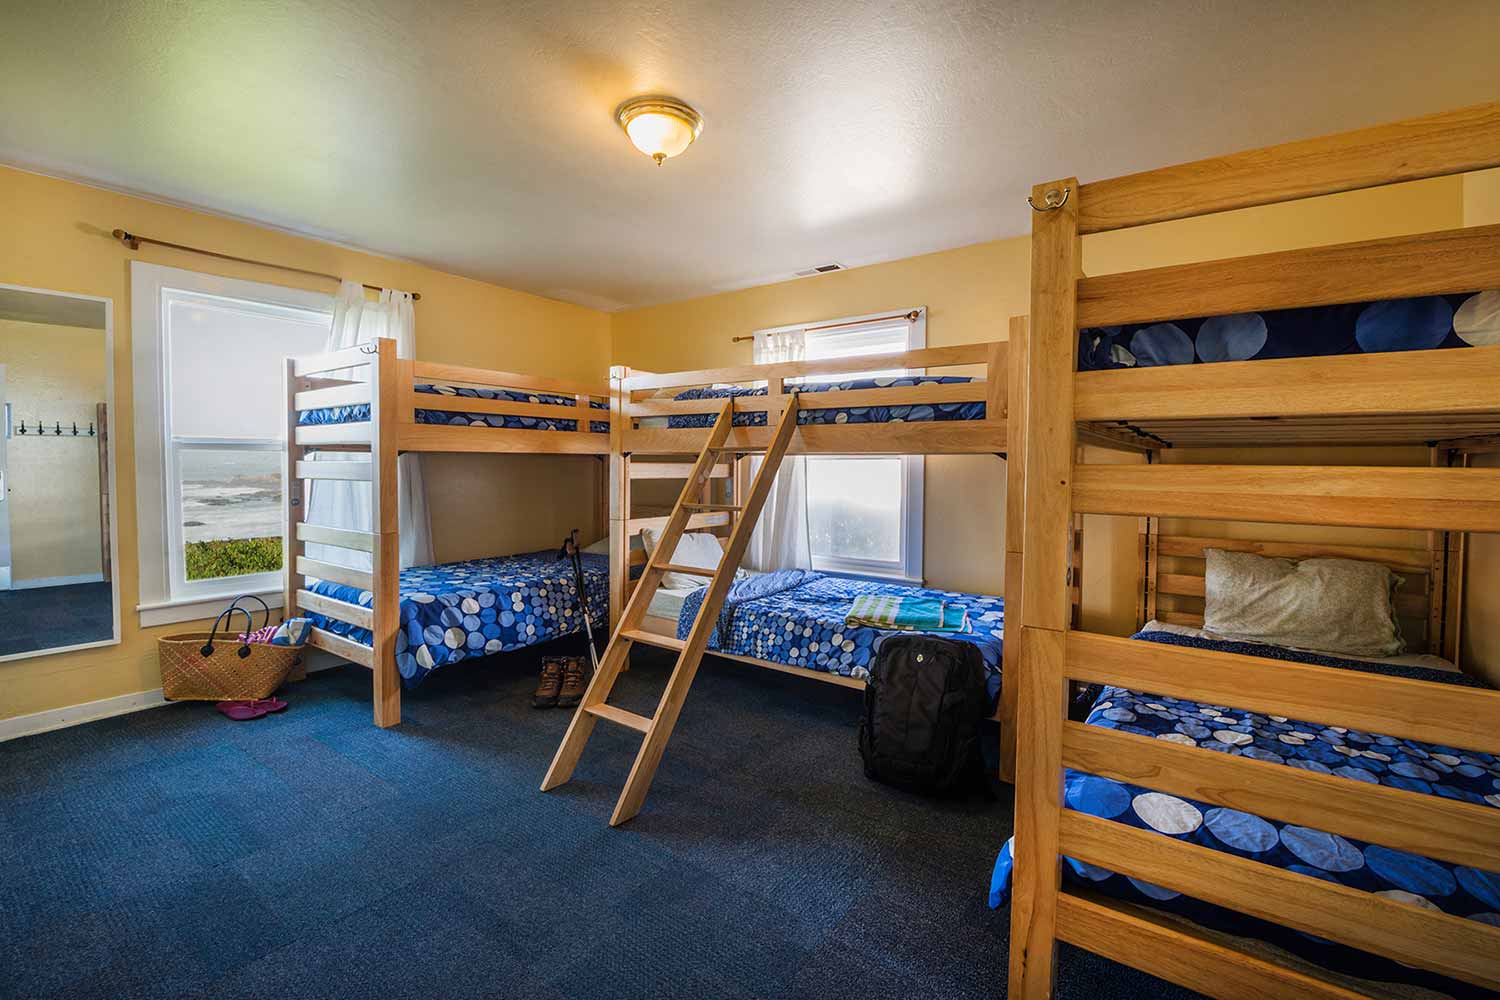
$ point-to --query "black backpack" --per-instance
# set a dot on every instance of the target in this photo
(923, 706)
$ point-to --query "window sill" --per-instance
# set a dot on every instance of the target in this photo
(194, 609)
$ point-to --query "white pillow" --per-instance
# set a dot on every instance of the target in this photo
(693, 549)
(1337, 605)
(599, 548)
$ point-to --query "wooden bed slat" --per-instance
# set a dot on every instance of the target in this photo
(924, 357)
(1428, 939)
(349, 357)
(508, 440)
(1451, 142)
(1447, 715)
(1459, 832)
(360, 578)
(357, 471)
(347, 538)
(354, 614)
(1440, 263)
(351, 394)
(1375, 497)
(339, 646)
(952, 437)
(313, 435)
(1405, 383)
(712, 520)
(1134, 936)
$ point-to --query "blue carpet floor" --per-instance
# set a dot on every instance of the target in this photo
(173, 853)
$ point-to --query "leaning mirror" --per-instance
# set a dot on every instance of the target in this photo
(58, 586)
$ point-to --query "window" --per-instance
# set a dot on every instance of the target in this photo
(211, 432)
(865, 511)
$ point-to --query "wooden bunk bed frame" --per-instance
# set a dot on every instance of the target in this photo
(637, 395)
(324, 380)
(1412, 397)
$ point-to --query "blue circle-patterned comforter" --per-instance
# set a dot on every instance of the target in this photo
(796, 617)
(808, 414)
(1451, 772)
(360, 412)
(457, 611)
(1471, 319)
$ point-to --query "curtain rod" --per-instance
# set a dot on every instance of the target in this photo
(910, 317)
(134, 241)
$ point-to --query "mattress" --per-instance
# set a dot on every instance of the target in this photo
(796, 617)
(460, 610)
(1451, 772)
(668, 603)
(808, 414)
(1471, 319)
(360, 412)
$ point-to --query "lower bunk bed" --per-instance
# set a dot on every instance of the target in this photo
(798, 620)
(477, 607)
(1450, 772)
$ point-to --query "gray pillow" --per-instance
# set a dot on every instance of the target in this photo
(1334, 605)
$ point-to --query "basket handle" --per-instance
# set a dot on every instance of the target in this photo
(263, 605)
(244, 650)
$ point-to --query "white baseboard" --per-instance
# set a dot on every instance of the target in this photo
(106, 708)
(56, 581)
(75, 715)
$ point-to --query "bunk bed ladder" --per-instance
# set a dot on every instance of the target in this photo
(657, 729)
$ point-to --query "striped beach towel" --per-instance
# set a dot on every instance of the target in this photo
(907, 614)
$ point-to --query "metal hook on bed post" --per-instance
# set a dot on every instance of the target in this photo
(1051, 200)
(369, 348)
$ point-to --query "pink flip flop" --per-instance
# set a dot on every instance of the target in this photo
(242, 711)
(270, 704)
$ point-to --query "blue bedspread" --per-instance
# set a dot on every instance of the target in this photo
(796, 617)
(360, 412)
(920, 412)
(1425, 323)
(1359, 756)
(465, 609)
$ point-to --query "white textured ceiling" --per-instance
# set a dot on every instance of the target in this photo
(477, 137)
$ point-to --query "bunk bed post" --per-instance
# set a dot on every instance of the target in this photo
(1045, 611)
(1015, 526)
(293, 496)
(385, 524)
(619, 496)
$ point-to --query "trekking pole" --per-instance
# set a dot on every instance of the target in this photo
(571, 551)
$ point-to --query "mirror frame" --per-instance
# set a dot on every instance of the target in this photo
(110, 449)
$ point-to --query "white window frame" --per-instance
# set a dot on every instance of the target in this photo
(913, 467)
(166, 595)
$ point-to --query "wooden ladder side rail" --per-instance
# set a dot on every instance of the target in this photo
(655, 744)
(615, 654)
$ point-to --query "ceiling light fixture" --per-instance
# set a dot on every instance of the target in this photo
(660, 127)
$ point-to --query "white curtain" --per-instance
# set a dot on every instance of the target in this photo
(341, 504)
(781, 538)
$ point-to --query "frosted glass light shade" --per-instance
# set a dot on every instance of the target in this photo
(660, 127)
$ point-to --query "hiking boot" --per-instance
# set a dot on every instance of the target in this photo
(549, 684)
(573, 683)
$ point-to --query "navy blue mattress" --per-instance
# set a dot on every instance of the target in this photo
(915, 413)
(1471, 319)
(360, 412)
(1454, 773)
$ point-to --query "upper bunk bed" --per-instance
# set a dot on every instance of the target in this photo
(402, 624)
(1440, 395)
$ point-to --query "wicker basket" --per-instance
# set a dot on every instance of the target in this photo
(203, 666)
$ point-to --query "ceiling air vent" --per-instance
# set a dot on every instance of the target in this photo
(820, 269)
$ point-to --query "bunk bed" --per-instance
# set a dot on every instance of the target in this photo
(402, 624)
(791, 621)
(1221, 795)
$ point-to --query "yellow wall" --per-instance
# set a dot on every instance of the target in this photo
(57, 237)
(970, 294)
(54, 373)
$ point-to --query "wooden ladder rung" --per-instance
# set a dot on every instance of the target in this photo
(690, 570)
(654, 639)
(620, 717)
(713, 506)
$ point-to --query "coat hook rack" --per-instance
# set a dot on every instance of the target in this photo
(39, 429)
